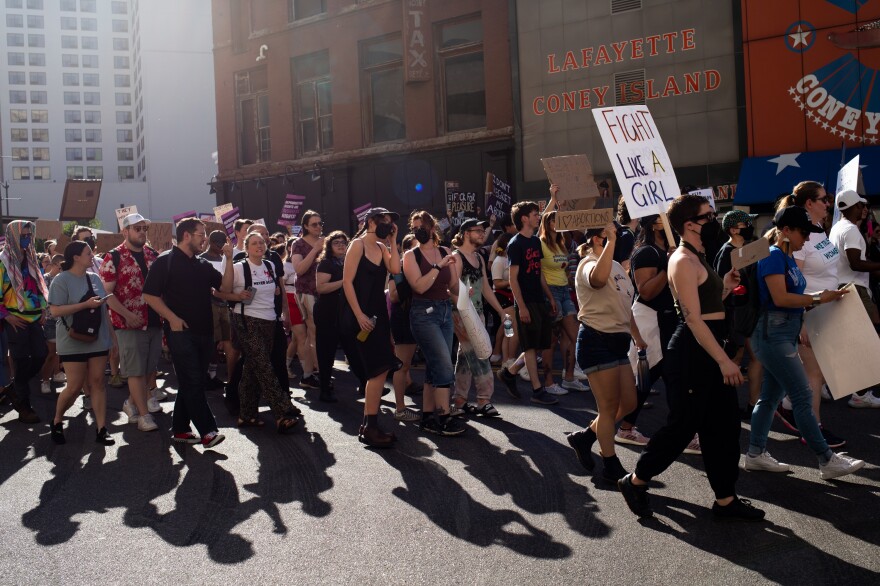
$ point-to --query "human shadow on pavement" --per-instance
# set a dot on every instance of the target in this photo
(447, 504)
(775, 552)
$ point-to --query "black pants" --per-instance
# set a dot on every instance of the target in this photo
(701, 403)
(27, 347)
(190, 354)
(328, 338)
(666, 321)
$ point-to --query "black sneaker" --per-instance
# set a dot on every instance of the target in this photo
(832, 440)
(739, 510)
(542, 397)
(636, 497)
(103, 437)
(450, 427)
(613, 470)
(310, 382)
(582, 442)
(57, 432)
(509, 380)
(786, 416)
(214, 384)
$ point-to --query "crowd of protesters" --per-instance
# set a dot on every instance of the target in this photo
(514, 296)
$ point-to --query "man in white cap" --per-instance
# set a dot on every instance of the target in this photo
(138, 328)
(854, 267)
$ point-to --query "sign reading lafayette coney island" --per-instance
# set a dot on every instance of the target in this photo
(417, 55)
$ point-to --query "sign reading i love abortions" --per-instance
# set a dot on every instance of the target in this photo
(638, 157)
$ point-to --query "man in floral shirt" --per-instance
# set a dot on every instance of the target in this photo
(138, 328)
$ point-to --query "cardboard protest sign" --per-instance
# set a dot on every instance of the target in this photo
(62, 241)
(707, 193)
(574, 176)
(845, 344)
(639, 159)
(48, 229)
(360, 212)
(498, 198)
(583, 219)
(106, 242)
(183, 216)
(228, 219)
(750, 253)
(220, 210)
(122, 212)
(160, 235)
(459, 204)
(290, 210)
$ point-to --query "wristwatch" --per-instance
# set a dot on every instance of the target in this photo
(435, 266)
(817, 299)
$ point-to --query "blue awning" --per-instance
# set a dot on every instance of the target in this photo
(763, 179)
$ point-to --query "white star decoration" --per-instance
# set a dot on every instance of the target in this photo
(800, 37)
(784, 161)
(824, 125)
(791, 91)
(810, 114)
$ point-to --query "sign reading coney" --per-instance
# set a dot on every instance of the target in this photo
(638, 158)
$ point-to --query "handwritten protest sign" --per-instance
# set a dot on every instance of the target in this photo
(638, 157)
(160, 235)
(849, 177)
(220, 210)
(459, 204)
(583, 219)
(122, 212)
(498, 199)
(107, 242)
(707, 193)
(296, 230)
(360, 212)
(228, 219)
(183, 216)
(48, 229)
(750, 253)
(845, 344)
(290, 210)
(574, 176)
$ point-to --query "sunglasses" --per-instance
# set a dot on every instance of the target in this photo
(315, 224)
(708, 216)
(338, 242)
(140, 228)
(823, 199)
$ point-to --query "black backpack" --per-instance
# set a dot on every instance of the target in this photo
(747, 306)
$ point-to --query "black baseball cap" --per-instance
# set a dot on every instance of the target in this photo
(382, 212)
(472, 223)
(795, 217)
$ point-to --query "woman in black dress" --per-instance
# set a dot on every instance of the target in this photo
(365, 318)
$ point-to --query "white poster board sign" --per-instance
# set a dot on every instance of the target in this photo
(222, 209)
(638, 157)
(845, 344)
(121, 213)
(707, 193)
(849, 177)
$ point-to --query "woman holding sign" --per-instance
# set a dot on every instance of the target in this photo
(782, 287)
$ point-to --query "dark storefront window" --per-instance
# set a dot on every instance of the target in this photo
(300, 9)
(382, 80)
(462, 79)
(252, 107)
(314, 102)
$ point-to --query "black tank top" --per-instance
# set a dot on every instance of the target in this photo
(709, 292)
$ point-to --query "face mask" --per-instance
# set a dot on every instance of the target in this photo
(383, 231)
(25, 241)
(709, 234)
(748, 232)
(422, 235)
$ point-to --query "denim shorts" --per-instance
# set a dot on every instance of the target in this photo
(432, 331)
(564, 304)
(597, 350)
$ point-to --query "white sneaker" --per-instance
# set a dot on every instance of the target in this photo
(786, 403)
(694, 447)
(158, 394)
(407, 416)
(60, 377)
(578, 373)
(147, 423)
(131, 410)
(575, 385)
(839, 465)
(631, 436)
(524, 374)
(495, 358)
(153, 405)
(555, 389)
(826, 393)
(46, 387)
(864, 401)
(764, 462)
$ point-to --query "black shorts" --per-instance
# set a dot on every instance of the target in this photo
(536, 335)
(85, 357)
(400, 330)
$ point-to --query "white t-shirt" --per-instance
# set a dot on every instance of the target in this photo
(289, 277)
(263, 305)
(846, 236)
(820, 258)
(219, 265)
(500, 268)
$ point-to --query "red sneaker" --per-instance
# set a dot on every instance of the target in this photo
(212, 439)
(186, 438)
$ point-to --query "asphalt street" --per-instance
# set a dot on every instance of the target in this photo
(507, 503)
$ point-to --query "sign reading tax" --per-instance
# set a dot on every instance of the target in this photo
(638, 157)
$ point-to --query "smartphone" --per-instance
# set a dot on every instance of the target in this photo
(845, 286)
(250, 290)
(104, 298)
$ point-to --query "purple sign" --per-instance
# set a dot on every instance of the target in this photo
(290, 210)
(229, 219)
(184, 215)
(361, 212)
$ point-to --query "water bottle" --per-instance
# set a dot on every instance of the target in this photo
(364, 334)
(508, 327)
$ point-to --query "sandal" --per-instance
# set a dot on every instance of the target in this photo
(471, 409)
(253, 422)
(488, 410)
(287, 424)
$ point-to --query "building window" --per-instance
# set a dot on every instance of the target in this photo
(19, 134)
(123, 118)
(123, 99)
(68, 5)
(382, 80)
(91, 79)
(70, 79)
(93, 134)
(87, 6)
(124, 136)
(69, 42)
(121, 62)
(88, 24)
(74, 154)
(73, 135)
(39, 134)
(14, 40)
(68, 60)
(36, 41)
(71, 98)
(74, 172)
(126, 173)
(42, 174)
(35, 4)
(17, 97)
(18, 116)
(14, 21)
(91, 99)
(300, 9)
(94, 154)
(37, 78)
(93, 117)
(68, 23)
(15, 59)
(40, 116)
(120, 26)
(72, 117)
(118, 7)
(120, 44)
(37, 59)
(122, 80)
(90, 61)
(21, 173)
(13, 3)
(123, 154)
(94, 172)
(252, 107)
(16, 78)
(20, 154)
(39, 97)
(35, 21)
(462, 80)
(90, 43)
(41, 154)
(314, 105)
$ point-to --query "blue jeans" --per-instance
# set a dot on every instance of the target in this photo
(433, 333)
(775, 344)
(190, 354)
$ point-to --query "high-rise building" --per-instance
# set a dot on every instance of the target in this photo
(117, 90)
